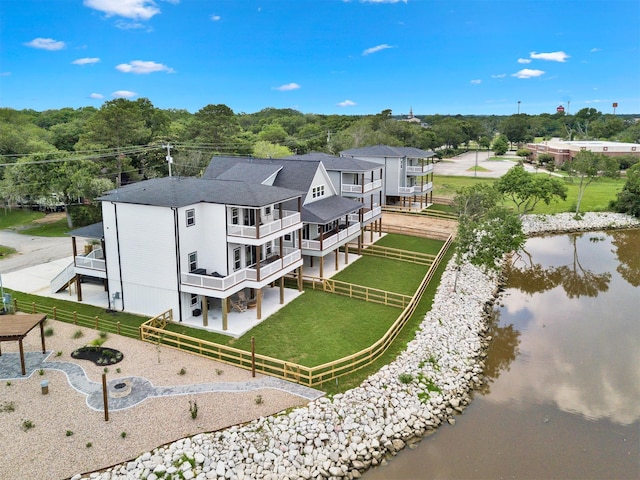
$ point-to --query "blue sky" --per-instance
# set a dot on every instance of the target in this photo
(351, 57)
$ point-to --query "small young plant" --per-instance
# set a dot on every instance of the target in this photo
(68, 433)
(89, 445)
(41, 371)
(59, 353)
(48, 332)
(219, 371)
(77, 334)
(8, 383)
(193, 409)
(7, 407)
(182, 371)
(405, 378)
(123, 434)
(27, 425)
(105, 369)
(259, 400)
(103, 335)
(118, 370)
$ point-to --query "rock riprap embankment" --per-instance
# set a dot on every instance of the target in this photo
(428, 384)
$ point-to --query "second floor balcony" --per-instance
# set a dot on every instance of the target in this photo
(329, 239)
(368, 214)
(415, 189)
(91, 261)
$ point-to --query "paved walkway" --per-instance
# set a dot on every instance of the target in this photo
(141, 388)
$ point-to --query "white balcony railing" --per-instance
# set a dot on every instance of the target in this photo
(367, 187)
(420, 169)
(415, 189)
(367, 214)
(268, 268)
(93, 260)
(251, 231)
(331, 240)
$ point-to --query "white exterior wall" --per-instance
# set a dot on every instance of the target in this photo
(320, 178)
(208, 237)
(141, 257)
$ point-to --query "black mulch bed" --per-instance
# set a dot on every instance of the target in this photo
(102, 356)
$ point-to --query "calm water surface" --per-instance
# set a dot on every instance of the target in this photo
(562, 397)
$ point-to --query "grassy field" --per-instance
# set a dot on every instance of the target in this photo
(596, 196)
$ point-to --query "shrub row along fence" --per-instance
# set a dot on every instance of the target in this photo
(95, 322)
(157, 330)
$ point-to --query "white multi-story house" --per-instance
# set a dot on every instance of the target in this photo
(408, 174)
(190, 244)
(330, 221)
(356, 179)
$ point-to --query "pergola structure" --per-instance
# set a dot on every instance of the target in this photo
(16, 327)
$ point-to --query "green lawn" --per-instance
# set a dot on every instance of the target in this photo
(596, 196)
(413, 244)
(384, 274)
(18, 217)
(6, 251)
(54, 229)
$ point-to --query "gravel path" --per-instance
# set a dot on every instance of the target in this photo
(46, 451)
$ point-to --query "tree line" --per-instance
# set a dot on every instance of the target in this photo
(67, 155)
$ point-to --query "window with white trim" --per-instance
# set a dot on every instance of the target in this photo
(191, 217)
(194, 299)
(249, 255)
(237, 260)
(235, 215)
(317, 191)
(193, 261)
(267, 210)
(268, 248)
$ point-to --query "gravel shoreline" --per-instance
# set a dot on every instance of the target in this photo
(427, 384)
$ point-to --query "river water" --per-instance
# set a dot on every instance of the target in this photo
(562, 393)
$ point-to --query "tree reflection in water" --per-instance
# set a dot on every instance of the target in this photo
(575, 280)
(628, 255)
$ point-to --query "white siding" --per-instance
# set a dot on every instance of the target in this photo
(143, 255)
(208, 237)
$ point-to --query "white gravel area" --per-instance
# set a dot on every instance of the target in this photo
(46, 452)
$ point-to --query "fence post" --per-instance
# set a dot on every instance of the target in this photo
(118, 324)
(104, 397)
(75, 317)
(54, 313)
(96, 322)
(253, 357)
(33, 307)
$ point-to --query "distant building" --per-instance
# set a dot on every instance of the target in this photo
(411, 118)
(564, 151)
(560, 109)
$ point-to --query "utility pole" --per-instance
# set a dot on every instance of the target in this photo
(169, 157)
(518, 107)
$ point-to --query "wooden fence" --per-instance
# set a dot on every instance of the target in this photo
(95, 322)
(414, 232)
(153, 331)
(359, 292)
(398, 254)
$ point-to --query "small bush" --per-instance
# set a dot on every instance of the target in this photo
(27, 425)
(103, 335)
(68, 433)
(193, 409)
(182, 371)
(59, 353)
(89, 445)
(41, 371)
(123, 434)
(7, 407)
(219, 371)
(48, 332)
(77, 334)
(405, 378)
(259, 400)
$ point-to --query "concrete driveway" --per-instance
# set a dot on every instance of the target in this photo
(463, 164)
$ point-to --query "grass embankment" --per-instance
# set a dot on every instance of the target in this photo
(319, 327)
(29, 222)
(596, 196)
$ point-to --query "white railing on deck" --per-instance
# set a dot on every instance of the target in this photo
(333, 239)
(93, 260)
(367, 187)
(248, 231)
(63, 278)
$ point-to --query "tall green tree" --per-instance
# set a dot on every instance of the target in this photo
(500, 145)
(628, 200)
(215, 125)
(526, 189)
(587, 167)
(486, 231)
(517, 128)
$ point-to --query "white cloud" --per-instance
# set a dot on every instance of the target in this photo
(594, 50)
(215, 18)
(97, 96)
(524, 60)
(375, 49)
(85, 61)
(123, 94)
(46, 44)
(346, 103)
(528, 73)
(288, 87)
(122, 25)
(476, 82)
(551, 56)
(134, 9)
(500, 75)
(142, 67)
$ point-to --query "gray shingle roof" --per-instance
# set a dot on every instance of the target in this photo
(184, 191)
(95, 230)
(249, 173)
(342, 164)
(387, 151)
(329, 209)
